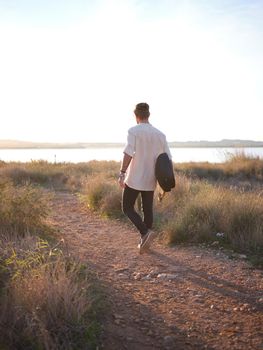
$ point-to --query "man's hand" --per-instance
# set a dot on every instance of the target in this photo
(121, 180)
(125, 163)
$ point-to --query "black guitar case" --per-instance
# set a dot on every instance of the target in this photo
(164, 172)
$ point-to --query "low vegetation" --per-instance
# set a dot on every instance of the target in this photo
(22, 208)
(102, 193)
(200, 210)
(203, 203)
(47, 299)
(58, 176)
(238, 166)
(197, 211)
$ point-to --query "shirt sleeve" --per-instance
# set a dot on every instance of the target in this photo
(130, 146)
(167, 150)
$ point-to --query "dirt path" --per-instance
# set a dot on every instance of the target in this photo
(172, 298)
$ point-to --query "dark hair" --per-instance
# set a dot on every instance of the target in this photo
(142, 110)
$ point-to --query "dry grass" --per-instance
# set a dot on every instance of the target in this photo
(238, 165)
(103, 194)
(196, 211)
(47, 299)
(22, 208)
(60, 176)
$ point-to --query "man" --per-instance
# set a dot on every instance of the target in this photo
(137, 174)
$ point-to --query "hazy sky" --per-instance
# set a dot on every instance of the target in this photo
(72, 70)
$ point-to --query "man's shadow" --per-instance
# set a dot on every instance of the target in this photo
(214, 283)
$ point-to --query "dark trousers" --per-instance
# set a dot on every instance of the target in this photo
(129, 197)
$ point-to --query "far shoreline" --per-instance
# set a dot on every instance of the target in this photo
(17, 145)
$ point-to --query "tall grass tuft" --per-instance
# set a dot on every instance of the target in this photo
(204, 210)
(103, 195)
(238, 165)
(22, 208)
(250, 167)
(58, 176)
(47, 299)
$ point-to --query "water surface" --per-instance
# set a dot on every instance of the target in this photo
(213, 155)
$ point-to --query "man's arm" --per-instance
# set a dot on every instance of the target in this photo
(124, 166)
(125, 162)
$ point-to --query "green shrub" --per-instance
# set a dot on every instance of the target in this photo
(48, 301)
(103, 195)
(111, 203)
(197, 218)
(204, 210)
(22, 208)
(244, 221)
(43, 175)
(237, 165)
(65, 176)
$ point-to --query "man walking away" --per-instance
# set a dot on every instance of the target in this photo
(137, 174)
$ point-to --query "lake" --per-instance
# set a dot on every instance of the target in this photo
(213, 155)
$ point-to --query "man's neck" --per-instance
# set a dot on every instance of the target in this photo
(146, 121)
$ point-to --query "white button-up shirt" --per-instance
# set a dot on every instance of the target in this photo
(144, 144)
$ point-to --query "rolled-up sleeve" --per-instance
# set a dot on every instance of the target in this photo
(130, 146)
(167, 150)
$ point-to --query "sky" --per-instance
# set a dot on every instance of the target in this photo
(73, 70)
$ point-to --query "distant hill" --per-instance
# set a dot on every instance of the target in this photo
(13, 144)
(222, 143)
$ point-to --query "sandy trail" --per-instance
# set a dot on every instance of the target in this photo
(172, 298)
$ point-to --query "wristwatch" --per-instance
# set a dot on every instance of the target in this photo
(122, 174)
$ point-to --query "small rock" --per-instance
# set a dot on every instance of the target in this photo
(166, 276)
(244, 307)
(152, 274)
(121, 270)
(137, 276)
(242, 256)
(215, 244)
(146, 278)
(220, 234)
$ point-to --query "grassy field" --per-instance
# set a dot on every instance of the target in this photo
(46, 297)
(238, 167)
(211, 202)
(208, 198)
